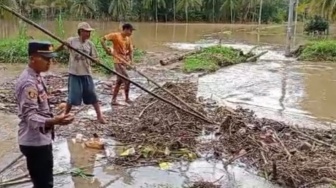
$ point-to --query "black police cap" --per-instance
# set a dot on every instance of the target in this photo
(44, 48)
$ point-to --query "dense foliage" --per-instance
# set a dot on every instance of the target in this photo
(155, 10)
(317, 25)
(323, 8)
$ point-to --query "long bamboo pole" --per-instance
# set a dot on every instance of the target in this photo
(102, 65)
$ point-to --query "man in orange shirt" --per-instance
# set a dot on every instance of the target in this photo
(122, 55)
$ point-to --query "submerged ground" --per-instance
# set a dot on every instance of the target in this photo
(275, 87)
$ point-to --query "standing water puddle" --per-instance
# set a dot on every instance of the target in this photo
(68, 154)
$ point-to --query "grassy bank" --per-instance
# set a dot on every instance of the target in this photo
(14, 50)
(213, 58)
(319, 50)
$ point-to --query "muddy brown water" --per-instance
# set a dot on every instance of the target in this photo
(152, 36)
(275, 87)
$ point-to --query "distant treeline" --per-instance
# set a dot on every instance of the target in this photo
(228, 11)
(234, 11)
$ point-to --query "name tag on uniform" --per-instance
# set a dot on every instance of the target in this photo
(43, 97)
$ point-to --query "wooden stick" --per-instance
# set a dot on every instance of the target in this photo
(323, 180)
(146, 108)
(12, 183)
(254, 58)
(255, 47)
(110, 182)
(158, 85)
(175, 59)
(314, 139)
(231, 160)
(23, 179)
(102, 65)
(263, 157)
(17, 178)
(283, 145)
(10, 164)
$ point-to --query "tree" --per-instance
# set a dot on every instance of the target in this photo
(229, 6)
(187, 4)
(83, 7)
(211, 9)
(119, 8)
(171, 10)
(327, 10)
(149, 4)
(9, 3)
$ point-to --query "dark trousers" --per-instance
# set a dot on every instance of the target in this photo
(40, 165)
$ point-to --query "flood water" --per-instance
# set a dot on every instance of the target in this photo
(275, 87)
(153, 36)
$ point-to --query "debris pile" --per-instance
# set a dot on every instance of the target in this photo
(154, 132)
(157, 131)
(7, 98)
(202, 184)
(284, 154)
(57, 88)
(54, 83)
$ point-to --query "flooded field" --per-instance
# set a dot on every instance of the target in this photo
(275, 87)
(153, 36)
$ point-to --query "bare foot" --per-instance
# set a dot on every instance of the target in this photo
(101, 120)
(128, 101)
(115, 103)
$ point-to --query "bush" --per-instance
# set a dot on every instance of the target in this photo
(324, 50)
(317, 25)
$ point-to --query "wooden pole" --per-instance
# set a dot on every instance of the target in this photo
(102, 65)
(259, 21)
(289, 26)
(260, 13)
(295, 23)
(11, 163)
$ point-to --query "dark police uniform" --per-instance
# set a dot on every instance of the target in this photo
(35, 140)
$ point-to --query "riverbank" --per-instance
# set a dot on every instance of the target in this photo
(317, 50)
(209, 59)
(14, 50)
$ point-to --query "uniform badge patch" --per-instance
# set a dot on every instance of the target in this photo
(31, 93)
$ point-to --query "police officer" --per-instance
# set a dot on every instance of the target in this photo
(36, 125)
